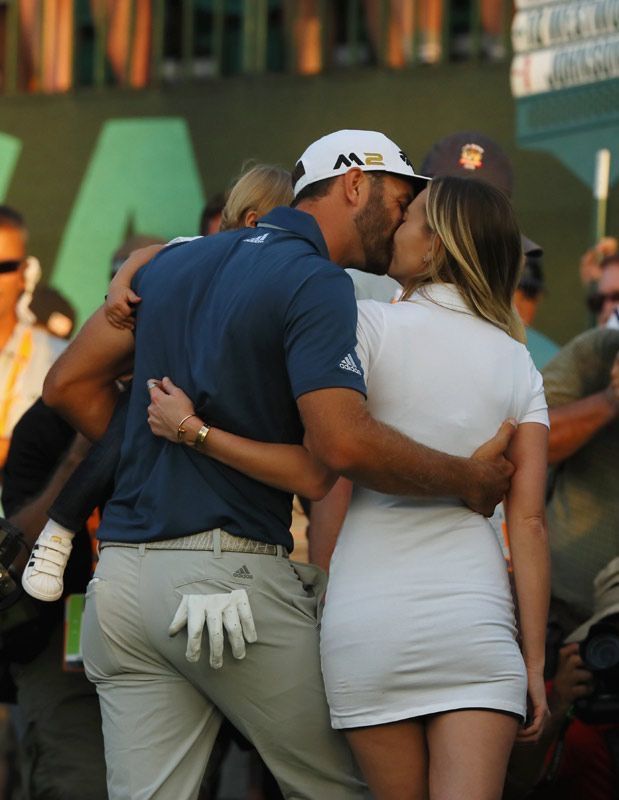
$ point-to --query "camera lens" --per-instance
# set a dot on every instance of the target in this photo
(602, 651)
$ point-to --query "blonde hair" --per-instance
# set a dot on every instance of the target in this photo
(480, 252)
(260, 189)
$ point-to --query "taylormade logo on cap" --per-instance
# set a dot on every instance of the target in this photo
(338, 152)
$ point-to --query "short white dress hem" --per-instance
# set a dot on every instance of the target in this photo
(365, 720)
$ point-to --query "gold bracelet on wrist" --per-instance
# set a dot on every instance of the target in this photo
(180, 431)
(201, 436)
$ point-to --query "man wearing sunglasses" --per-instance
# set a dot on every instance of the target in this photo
(26, 351)
(604, 301)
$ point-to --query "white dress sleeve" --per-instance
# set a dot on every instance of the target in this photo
(537, 410)
(370, 325)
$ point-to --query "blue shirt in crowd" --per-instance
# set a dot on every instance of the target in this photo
(542, 348)
(244, 322)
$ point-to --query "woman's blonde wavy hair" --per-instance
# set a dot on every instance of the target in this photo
(479, 249)
(260, 188)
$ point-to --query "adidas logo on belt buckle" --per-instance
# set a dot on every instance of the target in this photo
(242, 572)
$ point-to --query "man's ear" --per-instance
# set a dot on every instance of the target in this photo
(355, 186)
(250, 219)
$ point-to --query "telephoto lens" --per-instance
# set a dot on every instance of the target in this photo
(600, 655)
(600, 650)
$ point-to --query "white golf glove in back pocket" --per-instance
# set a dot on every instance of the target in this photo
(230, 612)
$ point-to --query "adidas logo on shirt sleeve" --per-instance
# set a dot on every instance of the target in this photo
(260, 239)
(348, 363)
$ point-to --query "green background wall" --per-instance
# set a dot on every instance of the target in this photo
(96, 164)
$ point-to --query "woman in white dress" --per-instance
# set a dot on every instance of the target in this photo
(419, 646)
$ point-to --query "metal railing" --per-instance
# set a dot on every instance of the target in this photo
(196, 38)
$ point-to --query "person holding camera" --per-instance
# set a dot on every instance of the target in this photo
(582, 389)
(604, 299)
(578, 755)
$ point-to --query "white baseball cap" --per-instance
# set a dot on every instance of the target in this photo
(336, 153)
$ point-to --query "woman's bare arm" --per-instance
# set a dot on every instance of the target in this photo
(526, 526)
(288, 467)
(326, 519)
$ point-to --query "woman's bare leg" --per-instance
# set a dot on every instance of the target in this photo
(393, 759)
(469, 751)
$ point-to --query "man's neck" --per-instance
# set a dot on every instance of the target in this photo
(7, 326)
(332, 227)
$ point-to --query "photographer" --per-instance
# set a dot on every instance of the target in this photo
(578, 757)
(582, 390)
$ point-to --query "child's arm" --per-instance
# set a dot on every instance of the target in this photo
(120, 297)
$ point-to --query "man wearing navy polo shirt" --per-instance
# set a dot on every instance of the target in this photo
(258, 328)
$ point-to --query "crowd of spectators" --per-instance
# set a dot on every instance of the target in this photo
(58, 39)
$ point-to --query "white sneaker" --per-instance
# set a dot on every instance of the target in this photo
(43, 575)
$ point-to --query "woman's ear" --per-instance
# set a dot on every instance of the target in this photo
(251, 219)
(437, 248)
(434, 250)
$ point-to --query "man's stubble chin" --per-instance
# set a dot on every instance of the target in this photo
(372, 223)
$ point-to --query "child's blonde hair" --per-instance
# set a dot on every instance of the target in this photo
(260, 189)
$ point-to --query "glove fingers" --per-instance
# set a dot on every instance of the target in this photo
(195, 627)
(230, 611)
(245, 615)
(232, 624)
(180, 618)
(215, 638)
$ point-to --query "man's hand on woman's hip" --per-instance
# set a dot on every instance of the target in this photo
(491, 479)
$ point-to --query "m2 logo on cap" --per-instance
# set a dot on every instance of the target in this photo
(371, 160)
(471, 156)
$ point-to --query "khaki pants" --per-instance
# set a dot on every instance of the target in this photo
(161, 713)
